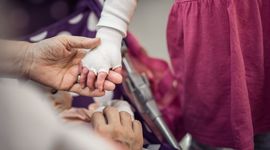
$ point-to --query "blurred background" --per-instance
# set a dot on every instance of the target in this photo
(149, 25)
(27, 16)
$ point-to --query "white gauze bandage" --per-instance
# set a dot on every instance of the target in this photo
(120, 105)
(108, 54)
(112, 28)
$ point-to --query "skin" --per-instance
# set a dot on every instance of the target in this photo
(120, 127)
(53, 62)
(116, 126)
(93, 81)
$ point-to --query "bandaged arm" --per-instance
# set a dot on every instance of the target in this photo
(112, 28)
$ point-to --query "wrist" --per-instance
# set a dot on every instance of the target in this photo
(26, 59)
(111, 39)
(109, 36)
(14, 59)
(111, 43)
(108, 54)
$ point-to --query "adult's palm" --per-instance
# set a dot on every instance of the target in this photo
(55, 63)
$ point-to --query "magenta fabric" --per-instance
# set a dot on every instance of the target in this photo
(220, 52)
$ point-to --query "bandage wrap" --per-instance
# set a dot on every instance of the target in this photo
(107, 55)
(112, 27)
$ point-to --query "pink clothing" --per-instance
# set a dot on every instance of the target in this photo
(220, 52)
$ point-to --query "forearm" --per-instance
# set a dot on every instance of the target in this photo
(112, 28)
(117, 14)
(15, 58)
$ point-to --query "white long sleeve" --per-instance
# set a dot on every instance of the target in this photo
(117, 14)
(112, 28)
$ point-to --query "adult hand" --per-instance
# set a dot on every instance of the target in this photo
(55, 63)
(120, 127)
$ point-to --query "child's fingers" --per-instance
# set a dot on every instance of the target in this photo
(83, 77)
(118, 70)
(91, 77)
(80, 67)
(114, 77)
(100, 80)
(108, 85)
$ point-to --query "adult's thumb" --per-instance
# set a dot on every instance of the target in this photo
(82, 42)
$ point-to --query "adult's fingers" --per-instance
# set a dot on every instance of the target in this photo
(100, 80)
(76, 88)
(80, 42)
(138, 134)
(77, 114)
(126, 119)
(115, 77)
(112, 115)
(91, 77)
(98, 120)
(137, 128)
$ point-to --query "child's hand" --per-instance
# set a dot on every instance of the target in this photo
(98, 62)
(104, 81)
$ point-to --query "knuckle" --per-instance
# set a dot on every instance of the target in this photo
(118, 133)
(99, 129)
(110, 109)
(62, 37)
(125, 114)
(91, 74)
(131, 137)
(137, 122)
(96, 115)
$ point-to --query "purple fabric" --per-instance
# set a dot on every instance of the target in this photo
(34, 14)
(220, 51)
